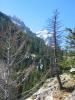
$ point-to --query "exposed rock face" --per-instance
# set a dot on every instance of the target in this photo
(50, 90)
(71, 96)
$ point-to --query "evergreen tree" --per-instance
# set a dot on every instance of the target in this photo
(70, 41)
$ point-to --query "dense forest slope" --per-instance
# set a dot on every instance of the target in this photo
(25, 57)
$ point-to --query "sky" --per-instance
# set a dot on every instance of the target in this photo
(35, 13)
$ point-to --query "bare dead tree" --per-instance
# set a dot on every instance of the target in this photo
(54, 28)
(10, 53)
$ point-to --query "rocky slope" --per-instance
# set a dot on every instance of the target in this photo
(50, 90)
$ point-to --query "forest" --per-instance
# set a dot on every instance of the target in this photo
(26, 61)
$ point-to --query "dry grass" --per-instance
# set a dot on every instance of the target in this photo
(68, 87)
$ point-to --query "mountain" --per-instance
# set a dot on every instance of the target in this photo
(4, 16)
(18, 22)
(21, 25)
(43, 34)
(46, 36)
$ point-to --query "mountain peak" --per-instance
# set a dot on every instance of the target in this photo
(45, 35)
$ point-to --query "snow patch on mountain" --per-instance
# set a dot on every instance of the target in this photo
(45, 35)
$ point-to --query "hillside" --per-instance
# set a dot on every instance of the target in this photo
(33, 65)
(24, 57)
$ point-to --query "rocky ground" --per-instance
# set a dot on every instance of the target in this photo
(50, 90)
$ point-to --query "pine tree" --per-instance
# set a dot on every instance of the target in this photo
(70, 41)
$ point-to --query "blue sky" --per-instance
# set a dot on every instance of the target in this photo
(35, 13)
